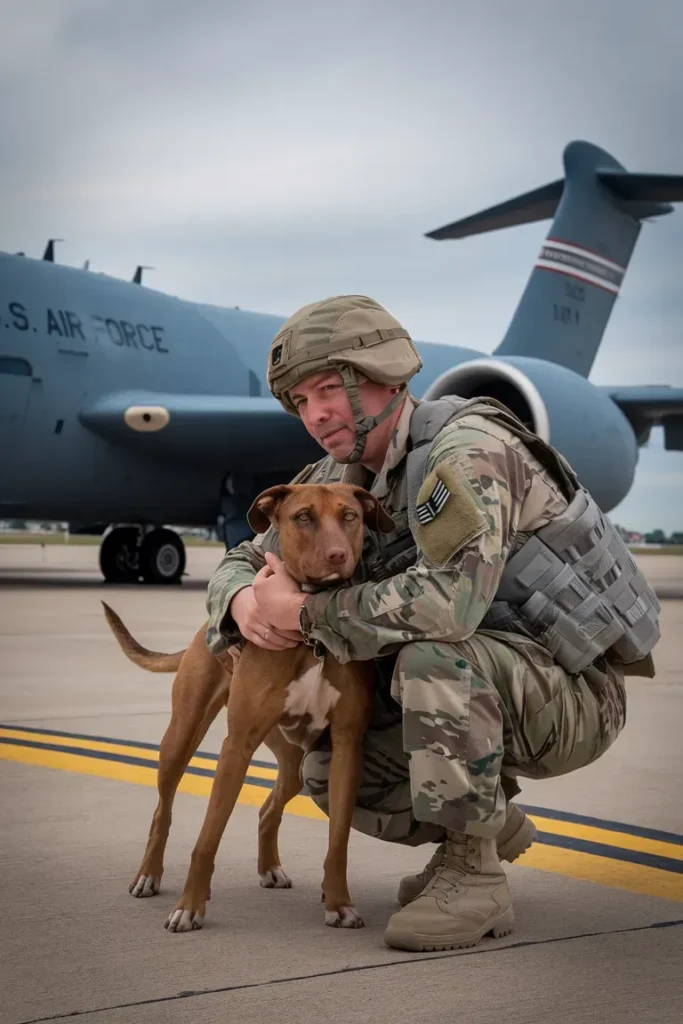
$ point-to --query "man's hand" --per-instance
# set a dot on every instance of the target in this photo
(254, 626)
(278, 597)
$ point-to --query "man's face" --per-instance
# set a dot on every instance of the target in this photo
(323, 404)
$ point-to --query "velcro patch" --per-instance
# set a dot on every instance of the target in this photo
(448, 515)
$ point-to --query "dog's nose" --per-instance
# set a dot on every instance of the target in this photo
(336, 556)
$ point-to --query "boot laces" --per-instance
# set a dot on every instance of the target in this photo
(452, 869)
(436, 859)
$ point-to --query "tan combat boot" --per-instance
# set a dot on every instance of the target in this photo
(466, 899)
(516, 836)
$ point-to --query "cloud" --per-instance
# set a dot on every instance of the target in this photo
(264, 155)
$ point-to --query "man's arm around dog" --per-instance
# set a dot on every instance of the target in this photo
(462, 552)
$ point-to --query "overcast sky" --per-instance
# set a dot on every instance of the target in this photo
(267, 154)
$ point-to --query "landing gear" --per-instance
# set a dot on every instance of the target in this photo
(128, 555)
(119, 555)
(162, 557)
(238, 491)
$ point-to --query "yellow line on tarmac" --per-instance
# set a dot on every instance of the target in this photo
(591, 833)
(199, 785)
(617, 874)
(126, 750)
(636, 878)
(609, 837)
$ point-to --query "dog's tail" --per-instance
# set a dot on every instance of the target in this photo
(153, 661)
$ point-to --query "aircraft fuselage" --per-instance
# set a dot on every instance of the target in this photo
(67, 337)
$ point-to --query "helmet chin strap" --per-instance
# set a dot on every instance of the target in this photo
(364, 424)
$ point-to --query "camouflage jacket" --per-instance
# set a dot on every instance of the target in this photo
(437, 584)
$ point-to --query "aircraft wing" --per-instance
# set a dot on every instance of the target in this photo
(652, 405)
(252, 434)
(229, 431)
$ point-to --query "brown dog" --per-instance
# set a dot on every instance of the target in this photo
(284, 699)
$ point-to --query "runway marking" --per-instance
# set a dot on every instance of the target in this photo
(123, 750)
(616, 854)
(143, 772)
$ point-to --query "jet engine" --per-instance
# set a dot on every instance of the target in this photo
(562, 407)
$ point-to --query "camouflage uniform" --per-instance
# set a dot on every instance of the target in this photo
(460, 710)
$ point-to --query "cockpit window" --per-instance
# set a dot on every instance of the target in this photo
(15, 367)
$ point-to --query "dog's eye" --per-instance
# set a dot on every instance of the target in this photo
(303, 517)
(349, 516)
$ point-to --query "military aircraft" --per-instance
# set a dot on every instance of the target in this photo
(131, 410)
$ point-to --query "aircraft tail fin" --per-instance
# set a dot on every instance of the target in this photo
(597, 210)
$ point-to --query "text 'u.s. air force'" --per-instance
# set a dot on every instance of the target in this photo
(64, 323)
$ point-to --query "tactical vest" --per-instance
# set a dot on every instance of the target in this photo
(573, 585)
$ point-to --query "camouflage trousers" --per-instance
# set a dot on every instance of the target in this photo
(454, 725)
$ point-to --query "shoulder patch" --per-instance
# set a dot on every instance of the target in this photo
(447, 512)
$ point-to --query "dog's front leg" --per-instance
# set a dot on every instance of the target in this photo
(251, 715)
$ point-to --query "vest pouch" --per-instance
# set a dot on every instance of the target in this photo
(586, 539)
(563, 612)
(575, 639)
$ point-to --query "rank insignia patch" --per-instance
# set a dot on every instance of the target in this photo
(447, 514)
(430, 508)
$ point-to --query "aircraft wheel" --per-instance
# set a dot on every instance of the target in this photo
(162, 557)
(119, 555)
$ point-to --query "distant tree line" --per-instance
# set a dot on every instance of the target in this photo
(653, 537)
(23, 525)
(659, 537)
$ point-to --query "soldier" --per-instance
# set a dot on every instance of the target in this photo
(467, 698)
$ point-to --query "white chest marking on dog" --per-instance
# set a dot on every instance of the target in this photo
(311, 694)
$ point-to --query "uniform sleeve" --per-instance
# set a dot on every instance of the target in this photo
(462, 543)
(235, 572)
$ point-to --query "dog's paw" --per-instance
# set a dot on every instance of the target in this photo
(145, 885)
(276, 878)
(182, 920)
(345, 917)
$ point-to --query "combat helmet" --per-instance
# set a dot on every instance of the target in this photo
(354, 335)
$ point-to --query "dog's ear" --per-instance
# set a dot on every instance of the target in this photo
(263, 512)
(373, 513)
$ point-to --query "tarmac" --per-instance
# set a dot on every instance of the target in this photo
(598, 900)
